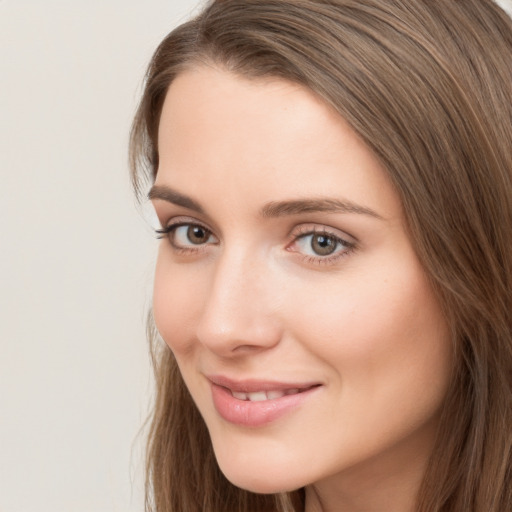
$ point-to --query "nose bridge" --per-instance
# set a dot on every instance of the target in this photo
(238, 309)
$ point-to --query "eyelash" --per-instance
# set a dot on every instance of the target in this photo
(169, 232)
(303, 232)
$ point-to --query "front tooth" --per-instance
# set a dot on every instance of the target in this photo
(239, 395)
(258, 396)
(271, 395)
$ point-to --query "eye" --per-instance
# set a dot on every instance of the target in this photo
(321, 245)
(196, 235)
(187, 236)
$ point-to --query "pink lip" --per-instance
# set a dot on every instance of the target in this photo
(256, 414)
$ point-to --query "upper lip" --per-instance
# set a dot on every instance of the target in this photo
(253, 385)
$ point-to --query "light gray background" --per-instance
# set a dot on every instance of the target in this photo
(75, 255)
(506, 5)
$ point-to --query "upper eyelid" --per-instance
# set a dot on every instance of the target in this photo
(341, 239)
(315, 228)
(169, 232)
(170, 226)
(180, 220)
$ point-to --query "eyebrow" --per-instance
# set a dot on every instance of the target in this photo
(321, 205)
(174, 197)
(272, 209)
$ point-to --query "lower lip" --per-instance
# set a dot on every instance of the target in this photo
(255, 414)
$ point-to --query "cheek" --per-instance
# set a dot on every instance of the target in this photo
(383, 334)
(387, 356)
(177, 297)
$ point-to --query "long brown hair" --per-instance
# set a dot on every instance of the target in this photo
(427, 84)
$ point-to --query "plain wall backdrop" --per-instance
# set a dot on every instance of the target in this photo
(76, 257)
(75, 254)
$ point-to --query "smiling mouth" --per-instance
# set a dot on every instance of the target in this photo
(255, 403)
(261, 396)
(253, 390)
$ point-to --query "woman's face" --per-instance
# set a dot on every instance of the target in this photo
(288, 290)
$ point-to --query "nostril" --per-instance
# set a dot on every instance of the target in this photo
(237, 317)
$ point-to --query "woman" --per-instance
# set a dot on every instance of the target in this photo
(333, 181)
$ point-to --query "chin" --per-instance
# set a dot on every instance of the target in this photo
(261, 484)
(269, 478)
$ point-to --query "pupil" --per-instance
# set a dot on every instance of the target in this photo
(197, 235)
(323, 245)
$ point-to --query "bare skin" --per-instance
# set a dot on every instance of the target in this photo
(286, 260)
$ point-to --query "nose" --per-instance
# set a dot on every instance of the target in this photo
(239, 315)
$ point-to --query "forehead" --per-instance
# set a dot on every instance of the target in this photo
(274, 135)
(209, 98)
